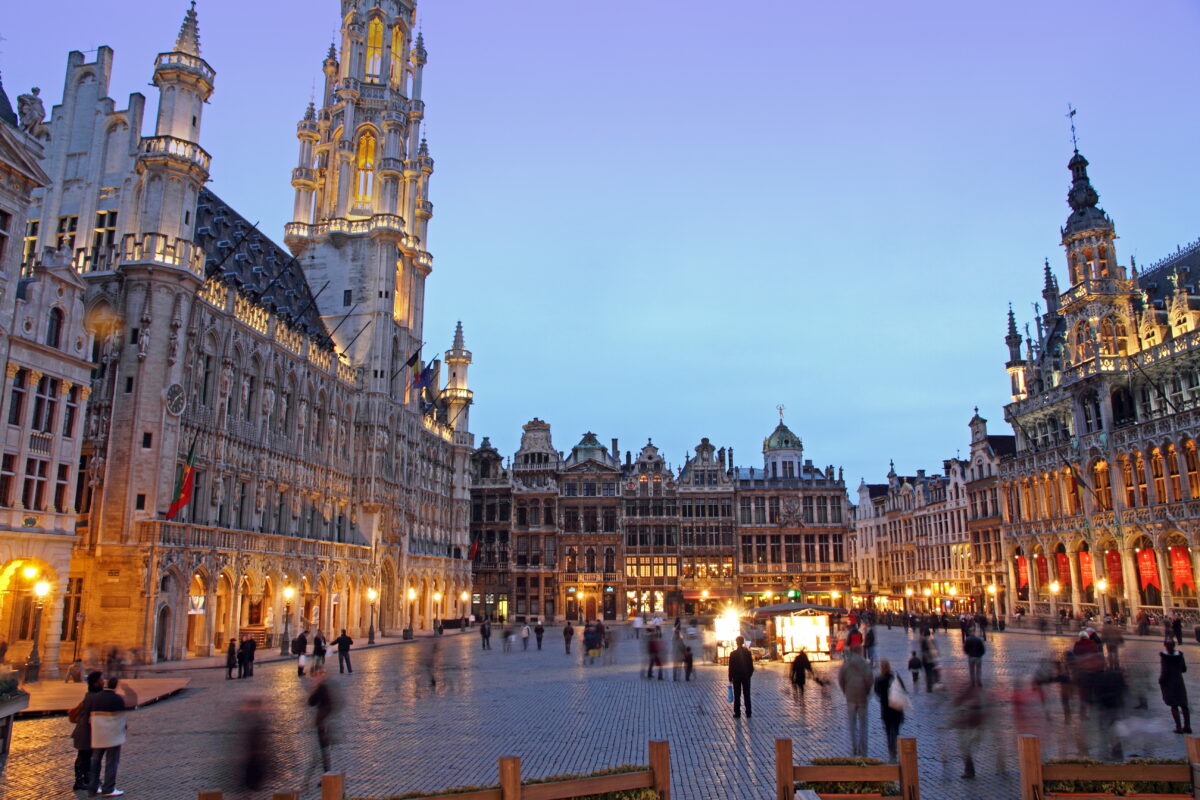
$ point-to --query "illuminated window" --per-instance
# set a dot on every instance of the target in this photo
(29, 251)
(397, 57)
(1173, 471)
(374, 49)
(1160, 482)
(366, 167)
(1103, 486)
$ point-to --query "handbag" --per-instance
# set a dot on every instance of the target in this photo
(729, 695)
(897, 697)
(303, 659)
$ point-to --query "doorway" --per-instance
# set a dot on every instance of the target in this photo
(162, 637)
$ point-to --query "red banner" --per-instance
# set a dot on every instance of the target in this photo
(1022, 572)
(1181, 569)
(1087, 572)
(1043, 570)
(1112, 566)
(1148, 568)
(1063, 562)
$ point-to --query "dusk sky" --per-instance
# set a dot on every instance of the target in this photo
(663, 218)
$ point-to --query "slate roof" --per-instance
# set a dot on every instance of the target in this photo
(247, 260)
(1003, 445)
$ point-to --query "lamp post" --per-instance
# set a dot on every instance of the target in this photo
(33, 664)
(437, 612)
(995, 606)
(1101, 588)
(466, 609)
(412, 612)
(371, 595)
(1055, 587)
(288, 594)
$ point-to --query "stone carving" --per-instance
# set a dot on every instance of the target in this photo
(143, 344)
(32, 111)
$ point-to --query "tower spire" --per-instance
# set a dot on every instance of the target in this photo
(458, 337)
(188, 40)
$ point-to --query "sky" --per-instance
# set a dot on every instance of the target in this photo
(663, 219)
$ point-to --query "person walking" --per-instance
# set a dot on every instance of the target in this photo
(637, 624)
(254, 749)
(319, 646)
(741, 667)
(81, 736)
(568, 633)
(233, 659)
(1177, 629)
(1170, 682)
(929, 658)
(323, 700)
(974, 649)
(914, 668)
(538, 632)
(300, 651)
(485, 635)
(1113, 639)
(800, 666)
(855, 681)
(677, 653)
(342, 643)
(107, 710)
(967, 719)
(869, 643)
(893, 716)
(525, 636)
(654, 652)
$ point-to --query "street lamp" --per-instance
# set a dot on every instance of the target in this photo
(288, 594)
(437, 610)
(33, 664)
(412, 612)
(1101, 588)
(1055, 588)
(465, 597)
(371, 595)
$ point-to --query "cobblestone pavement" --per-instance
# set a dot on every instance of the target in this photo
(398, 732)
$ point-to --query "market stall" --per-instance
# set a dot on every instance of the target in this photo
(795, 626)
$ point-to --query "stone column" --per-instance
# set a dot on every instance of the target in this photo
(1010, 592)
(1164, 577)
(1076, 587)
(1129, 577)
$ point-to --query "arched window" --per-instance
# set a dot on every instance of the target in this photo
(1139, 467)
(374, 49)
(590, 560)
(1127, 479)
(1071, 488)
(1084, 344)
(572, 560)
(1160, 480)
(54, 328)
(610, 560)
(365, 179)
(397, 62)
(1173, 473)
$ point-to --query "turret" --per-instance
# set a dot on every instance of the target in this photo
(1050, 291)
(1013, 339)
(458, 396)
(1089, 232)
(185, 82)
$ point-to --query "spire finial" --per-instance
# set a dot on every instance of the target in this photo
(1012, 321)
(1071, 116)
(188, 40)
(780, 408)
(458, 337)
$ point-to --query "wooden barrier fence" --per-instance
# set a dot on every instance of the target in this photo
(1034, 772)
(657, 778)
(904, 773)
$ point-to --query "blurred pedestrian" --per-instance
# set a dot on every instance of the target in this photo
(855, 681)
(323, 700)
(233, 660)
(539, 631)
(741, 667)
(801, 669)
(974, 649)
(318, 648)
(677, 648)
(525, 636)
(485, 635)
(1108, 694)
(254, 748)
(688, 664)
(509, 636)
(967, 718)
(929, 659)
(568, 634)
(300, 651)
(251, 648)
(1177, 629)
(914, 668)
(81, 736)
(342, 643)
(637, 624)
(1113, 639)
(74, 672)
(869, 643)
(654, 652)
(1170, 681)
(108, 710)
(891, 705)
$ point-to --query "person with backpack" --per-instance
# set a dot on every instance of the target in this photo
(854, 678)
(525, 636)
(300, 651)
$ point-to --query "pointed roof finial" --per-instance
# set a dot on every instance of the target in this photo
(458, 337)
(1049, 287)
(780, 409)
(423, 150)
(1072, 111)
(1012, 322)
(188, 40)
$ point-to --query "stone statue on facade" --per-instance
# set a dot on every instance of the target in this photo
(32, 111)
(143, 344)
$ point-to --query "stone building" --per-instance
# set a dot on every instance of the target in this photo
(328, 491)
(592, 537)
(1100, 499)
(46, 353)
(912, 546)
(984, 515)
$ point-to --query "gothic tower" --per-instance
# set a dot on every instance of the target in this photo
(362, 206)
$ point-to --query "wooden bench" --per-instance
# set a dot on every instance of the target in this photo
(904, 773)
(657, 777)
(1034, 772)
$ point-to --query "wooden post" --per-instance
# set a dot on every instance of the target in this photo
(286, 796)
(910, 782)
(333, 786)
(1193, 756)
(660, 765)
(785, 785)
(1029, 761)
(510, 778)
(208, 796)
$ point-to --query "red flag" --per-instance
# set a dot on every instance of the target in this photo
(185, 484)
(474, 550)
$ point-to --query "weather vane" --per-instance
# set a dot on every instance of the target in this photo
(780, 408)
(1071, 116)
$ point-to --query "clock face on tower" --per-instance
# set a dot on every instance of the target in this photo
(176, 401)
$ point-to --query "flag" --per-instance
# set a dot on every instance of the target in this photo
(474, 551)
(185, 483)
(423, 378)
(414, 361)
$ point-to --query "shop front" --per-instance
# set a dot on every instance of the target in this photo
(792, 627)
(707, 602)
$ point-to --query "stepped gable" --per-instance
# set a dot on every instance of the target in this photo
(247, 260)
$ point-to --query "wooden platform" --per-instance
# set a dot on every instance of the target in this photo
(55, 697)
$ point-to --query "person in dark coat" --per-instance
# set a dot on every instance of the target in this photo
(539, 631)
(741, 667)
(1170, 681)
(568, 634)
(318, 645)
(323, 700)
(342, 643)
(485, 635)
(1177, 629)
(300, 651)
(233, 659)
(251, 644)
(255, 750)
(81, 737)
(800, 666)
(893, 718)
